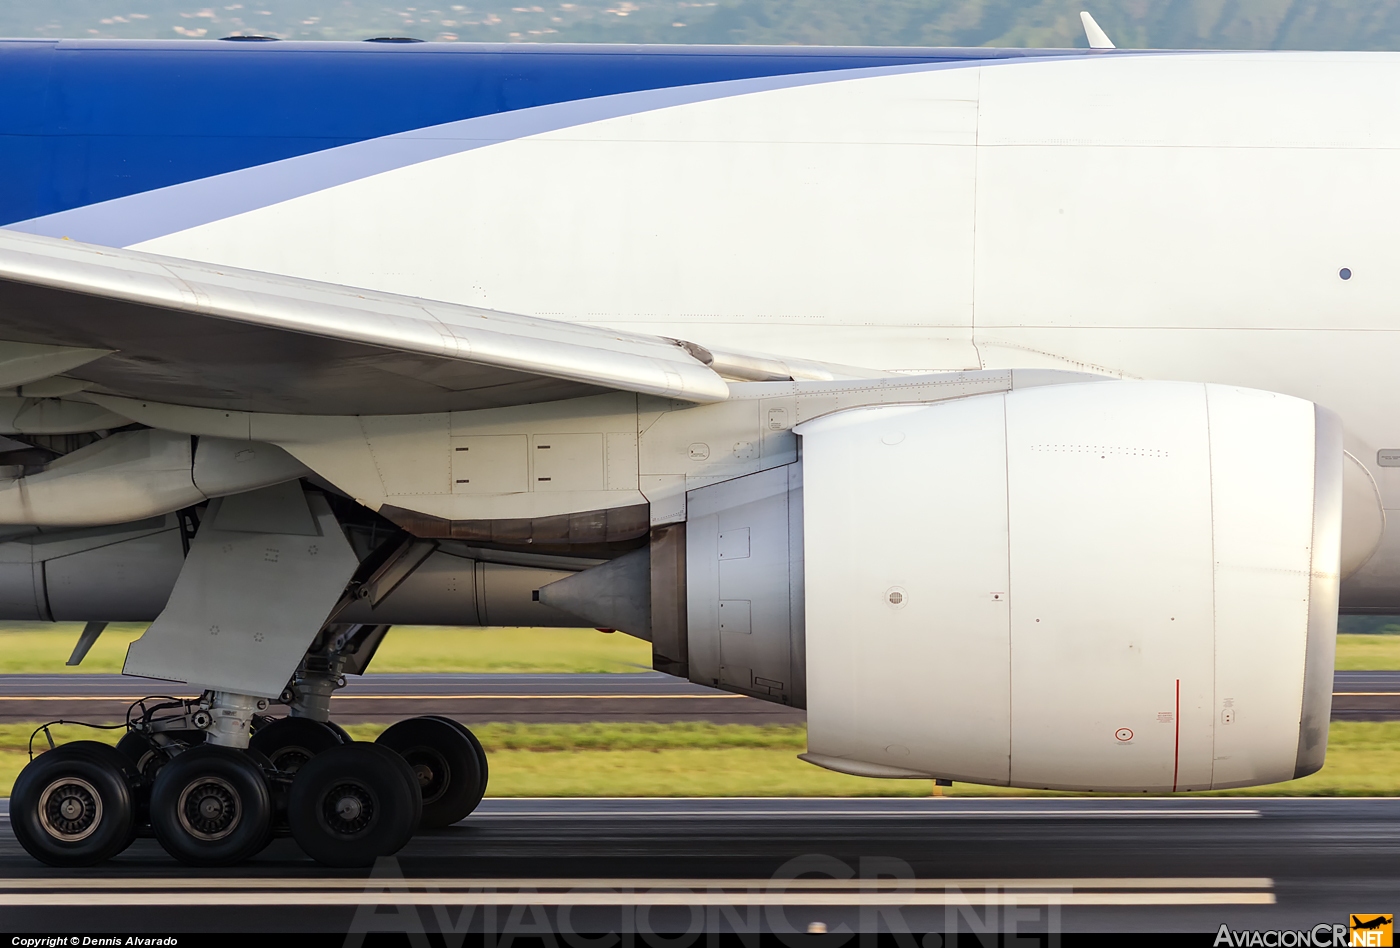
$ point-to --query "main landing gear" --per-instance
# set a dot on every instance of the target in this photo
(180, 770)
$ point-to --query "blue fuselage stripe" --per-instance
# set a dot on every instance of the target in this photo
(87, 122)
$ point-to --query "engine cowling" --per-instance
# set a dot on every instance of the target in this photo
(1108, 586)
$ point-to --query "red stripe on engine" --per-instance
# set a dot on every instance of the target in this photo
(1176, 754)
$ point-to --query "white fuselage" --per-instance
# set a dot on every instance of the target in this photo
(1167, 216)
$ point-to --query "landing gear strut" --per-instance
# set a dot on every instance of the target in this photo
(214, 777)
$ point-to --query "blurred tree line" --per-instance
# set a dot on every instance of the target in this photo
(1208, 24)
(1369, 625)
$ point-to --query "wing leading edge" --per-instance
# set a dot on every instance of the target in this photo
(222, 337)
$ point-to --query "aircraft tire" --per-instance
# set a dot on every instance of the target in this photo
(448, 762)
(148, 756)
(480, 756)
(290, 742)
(210, 806)
(480, 751)
(354, 803)
(74, 805)
(277, 786)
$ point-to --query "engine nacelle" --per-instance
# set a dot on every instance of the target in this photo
(1124, 586)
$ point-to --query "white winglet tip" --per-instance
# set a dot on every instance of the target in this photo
(1098, 39)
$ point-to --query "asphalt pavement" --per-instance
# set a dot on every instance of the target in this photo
(644, 696)
(654, 865)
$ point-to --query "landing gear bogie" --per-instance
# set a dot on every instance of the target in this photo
(210, 804)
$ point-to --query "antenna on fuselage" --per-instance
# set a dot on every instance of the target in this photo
(1098, 39)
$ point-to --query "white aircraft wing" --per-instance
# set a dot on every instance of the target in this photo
(219, 337)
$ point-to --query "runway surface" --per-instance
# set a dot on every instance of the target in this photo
(647, 696)
(1138, 864)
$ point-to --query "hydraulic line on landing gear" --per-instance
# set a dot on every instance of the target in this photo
(193, 717)
(44, 728)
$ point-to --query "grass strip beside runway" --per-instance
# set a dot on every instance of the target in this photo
(701, 759)
(1368, 652)
(43, 647)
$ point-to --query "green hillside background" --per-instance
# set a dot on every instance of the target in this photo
(1165, 24)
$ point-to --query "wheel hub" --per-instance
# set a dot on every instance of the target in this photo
(348, 808)
(209, 809)
(431, 769)
(291, 759)
(70, 809)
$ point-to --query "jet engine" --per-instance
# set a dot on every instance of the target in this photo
(1126, 586)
